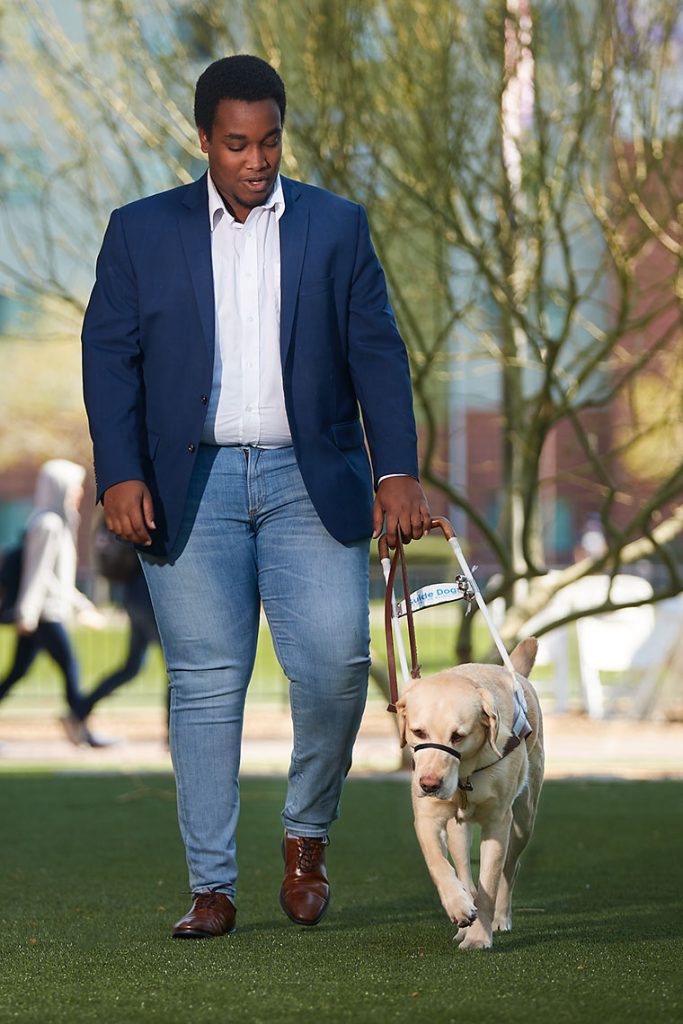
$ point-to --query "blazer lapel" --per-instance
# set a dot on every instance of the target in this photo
(196, 235)
(293, 237)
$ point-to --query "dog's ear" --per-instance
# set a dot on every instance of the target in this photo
(489, 717)
(401, 719)
(524, 656)
(401, 713)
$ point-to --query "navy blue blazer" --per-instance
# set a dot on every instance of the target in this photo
(148, 339)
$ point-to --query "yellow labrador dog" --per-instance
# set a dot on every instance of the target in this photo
(469, 768)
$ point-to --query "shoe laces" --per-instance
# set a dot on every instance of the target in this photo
(311, 853)
(204, 900)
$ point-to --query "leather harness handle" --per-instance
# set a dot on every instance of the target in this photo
(444, 525)
(399, 556)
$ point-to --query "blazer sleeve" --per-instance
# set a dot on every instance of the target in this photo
(112, 364)
(379, 365)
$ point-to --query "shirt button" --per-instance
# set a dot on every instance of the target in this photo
(204, 399)
(190, 448)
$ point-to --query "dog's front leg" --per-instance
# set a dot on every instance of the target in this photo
(459, 845)
(431, 817)
(494, 841)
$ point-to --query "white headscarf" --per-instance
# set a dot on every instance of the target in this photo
(56, 483)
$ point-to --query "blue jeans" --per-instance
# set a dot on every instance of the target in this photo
(250, 535)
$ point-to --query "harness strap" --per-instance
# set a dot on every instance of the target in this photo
(399, 556)
(520, 725)
(521, 730)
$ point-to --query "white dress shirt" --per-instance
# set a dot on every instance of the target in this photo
(247, 401)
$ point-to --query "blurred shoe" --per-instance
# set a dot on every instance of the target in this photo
(81, 736)
(75, 729)
(93, 740)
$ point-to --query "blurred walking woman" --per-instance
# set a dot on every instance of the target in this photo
(47, 591)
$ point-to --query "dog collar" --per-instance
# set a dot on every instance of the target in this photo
(521, 729)
(438, 746)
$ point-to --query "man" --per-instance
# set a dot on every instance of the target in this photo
(235, 327)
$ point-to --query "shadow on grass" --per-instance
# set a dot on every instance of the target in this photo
(656, 921)
(634, 923)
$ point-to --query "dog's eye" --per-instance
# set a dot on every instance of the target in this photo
(455, 736)
(420, 733)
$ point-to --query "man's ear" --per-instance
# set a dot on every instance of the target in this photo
(402, 720)
(489, 717)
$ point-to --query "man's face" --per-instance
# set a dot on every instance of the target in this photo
(244, 152)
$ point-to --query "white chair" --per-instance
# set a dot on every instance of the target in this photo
(655, 656)
(608, 642)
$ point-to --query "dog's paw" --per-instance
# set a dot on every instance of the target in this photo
(502, 923)
(476, 937)
(461, 909)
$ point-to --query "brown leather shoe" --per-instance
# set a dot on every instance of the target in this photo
(305, 892)
(211, 914)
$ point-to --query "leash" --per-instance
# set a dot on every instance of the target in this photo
(391, 617)
(465, 589)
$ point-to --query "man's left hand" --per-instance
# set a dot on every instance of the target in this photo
(403, 502)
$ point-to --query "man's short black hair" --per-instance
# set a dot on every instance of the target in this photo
(241, 77)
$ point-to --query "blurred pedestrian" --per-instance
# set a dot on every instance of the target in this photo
(47, 594)
(143, 632)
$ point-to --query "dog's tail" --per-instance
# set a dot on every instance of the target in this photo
(524, 656)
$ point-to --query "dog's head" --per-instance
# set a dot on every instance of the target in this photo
(451, 710)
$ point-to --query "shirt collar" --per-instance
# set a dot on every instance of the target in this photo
(217, 208)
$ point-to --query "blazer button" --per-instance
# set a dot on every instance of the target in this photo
(204, 399)
(190, 448)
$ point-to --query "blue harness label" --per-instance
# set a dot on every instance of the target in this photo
(436, 593)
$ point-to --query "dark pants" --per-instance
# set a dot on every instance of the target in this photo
(143, 632)
(130, 668)
(52, 638)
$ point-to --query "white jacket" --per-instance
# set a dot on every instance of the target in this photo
(48, 572)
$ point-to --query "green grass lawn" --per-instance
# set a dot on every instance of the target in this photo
(92, 877)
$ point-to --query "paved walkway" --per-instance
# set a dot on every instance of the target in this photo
(575, 746)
